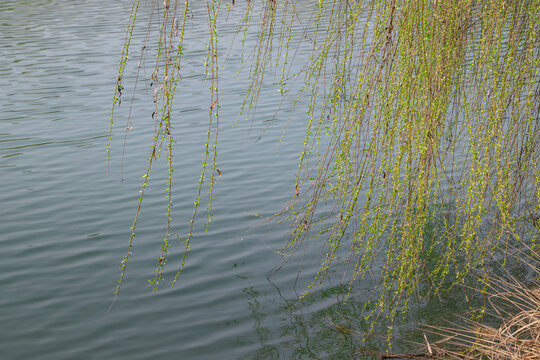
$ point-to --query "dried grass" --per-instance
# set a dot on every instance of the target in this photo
(516, 306)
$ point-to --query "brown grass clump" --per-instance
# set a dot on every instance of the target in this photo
(517, 309)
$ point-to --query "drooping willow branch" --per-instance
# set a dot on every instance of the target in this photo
(422, 130)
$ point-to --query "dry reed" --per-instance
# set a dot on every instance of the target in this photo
(516, 308)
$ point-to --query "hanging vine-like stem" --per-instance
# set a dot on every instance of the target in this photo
(422, 131)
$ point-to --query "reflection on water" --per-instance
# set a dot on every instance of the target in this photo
(335, 332)
(261, 333)
(341, 330)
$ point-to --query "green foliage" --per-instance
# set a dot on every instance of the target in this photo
(422, 131)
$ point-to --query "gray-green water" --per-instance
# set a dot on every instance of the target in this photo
(64, 224)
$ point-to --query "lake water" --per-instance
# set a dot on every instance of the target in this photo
(65, 224)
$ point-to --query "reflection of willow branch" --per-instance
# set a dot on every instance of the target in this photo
(265, 351)
(323, 324)
(289, 303)
(335, 329)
